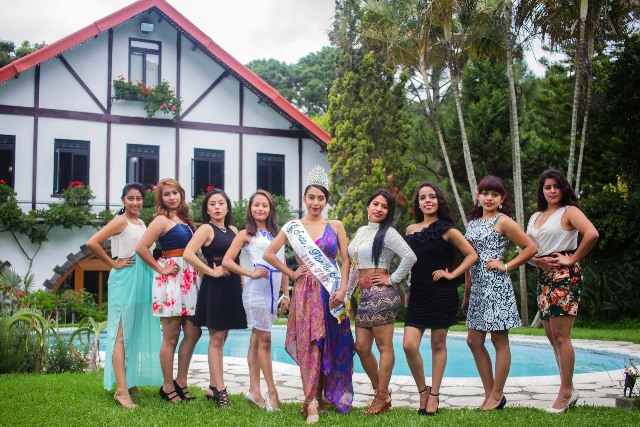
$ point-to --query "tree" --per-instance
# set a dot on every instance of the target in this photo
(9, 53)
(367, 119)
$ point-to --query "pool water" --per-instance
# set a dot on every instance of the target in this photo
(527, 359)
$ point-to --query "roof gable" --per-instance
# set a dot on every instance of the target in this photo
(197, 36)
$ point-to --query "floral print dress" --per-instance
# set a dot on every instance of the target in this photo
(175, 294)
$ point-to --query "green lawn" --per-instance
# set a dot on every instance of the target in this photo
(78, 399)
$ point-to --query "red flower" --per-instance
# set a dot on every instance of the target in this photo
(2, 181)
(211, 187)
(174, 108)
(20, 294)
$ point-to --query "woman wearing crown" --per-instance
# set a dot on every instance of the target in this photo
(318, 332)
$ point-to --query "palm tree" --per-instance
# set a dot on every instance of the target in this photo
(88, 326)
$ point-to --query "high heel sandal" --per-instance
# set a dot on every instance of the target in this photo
(437, 396)
(267, 404)
(313, 418)
(214, 395)
(381, 403)
(423, 411)
(116, 397)
(182, 391)
(170, 396)
(223, 398)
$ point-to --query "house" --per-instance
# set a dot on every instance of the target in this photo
(60, 123)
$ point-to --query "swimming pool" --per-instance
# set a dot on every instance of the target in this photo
(527, 359)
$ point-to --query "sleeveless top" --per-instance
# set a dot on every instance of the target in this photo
(256, 247)
(433, 253)
(177, 237)
(123, 245)
(550, 236)
(393, 244)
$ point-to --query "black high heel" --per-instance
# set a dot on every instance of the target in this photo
(223, 398)
(170, 396)
(503, 402)
(423, 411)
(215, 395)
(182, 391)
(437, 396)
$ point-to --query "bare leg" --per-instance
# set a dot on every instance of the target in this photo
(411, 347)
(170, 335)
(254, 368)
(363, 344)
(118, 362)
(561, 330)
(500, 340)
(384, 341)
(438, 363)
(264, 358)
(216, 369)
(475, 341)
(191, 336)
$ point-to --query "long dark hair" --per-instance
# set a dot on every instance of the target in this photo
(125, 190)
(444, 210)
(183, 209)
(272, 223)
(228, 218)
(492, 183)
(378, 240)
(568, 196)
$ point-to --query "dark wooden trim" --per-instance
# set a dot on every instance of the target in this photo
(127, 120)
(109, 103)
(82, 83)
(36, 105)
(299, 176)
(217, 81)
(241, 136)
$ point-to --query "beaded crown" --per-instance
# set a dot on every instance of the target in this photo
(318, 176)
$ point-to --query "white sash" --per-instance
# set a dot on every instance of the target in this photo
(315, 260)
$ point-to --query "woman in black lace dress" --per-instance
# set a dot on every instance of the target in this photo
(434, 300)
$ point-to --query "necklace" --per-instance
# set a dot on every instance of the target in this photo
(132, 220)
(223, 228)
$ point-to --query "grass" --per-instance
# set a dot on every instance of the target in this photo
(78, 399)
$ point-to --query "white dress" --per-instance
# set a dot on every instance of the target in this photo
(260, 296)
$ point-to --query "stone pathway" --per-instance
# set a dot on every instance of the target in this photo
(598, 389)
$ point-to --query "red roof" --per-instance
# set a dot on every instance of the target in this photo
(190, 30)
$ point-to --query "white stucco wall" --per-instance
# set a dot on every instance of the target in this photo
(19, 91)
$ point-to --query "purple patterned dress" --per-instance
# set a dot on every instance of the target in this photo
(316, 341)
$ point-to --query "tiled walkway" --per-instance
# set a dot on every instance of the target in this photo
(599, 389)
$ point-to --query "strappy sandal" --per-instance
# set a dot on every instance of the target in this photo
(117, 397)
(214, 396)
(423, 411)
(170, 396)
(182, 391)
(437, 396)
(381, 403)
(223, 398)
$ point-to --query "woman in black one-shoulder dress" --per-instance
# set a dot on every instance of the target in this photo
(433, 301)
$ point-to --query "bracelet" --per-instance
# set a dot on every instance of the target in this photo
(506, 267)
(283, 296)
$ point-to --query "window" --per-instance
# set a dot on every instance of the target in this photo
(144, 61)
(71, 163)
(7, 159)
(208, 169)
(143, 164)
(271, 173)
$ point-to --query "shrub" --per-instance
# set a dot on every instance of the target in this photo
(58, 357)
(18, 349)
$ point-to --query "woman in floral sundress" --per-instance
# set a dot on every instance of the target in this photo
(175, 285)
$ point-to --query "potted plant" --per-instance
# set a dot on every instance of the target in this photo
(77, 194)
(158, 98)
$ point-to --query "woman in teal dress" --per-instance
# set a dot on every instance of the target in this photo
(133, 333)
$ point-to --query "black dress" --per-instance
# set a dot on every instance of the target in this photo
(432, 305)
(219, 303)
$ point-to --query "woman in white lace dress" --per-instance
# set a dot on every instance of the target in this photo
(260, 293)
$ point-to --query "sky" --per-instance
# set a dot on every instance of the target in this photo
(286, 30)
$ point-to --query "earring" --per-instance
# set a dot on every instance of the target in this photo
(368, 217)
(500, 207)
(479, 204)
